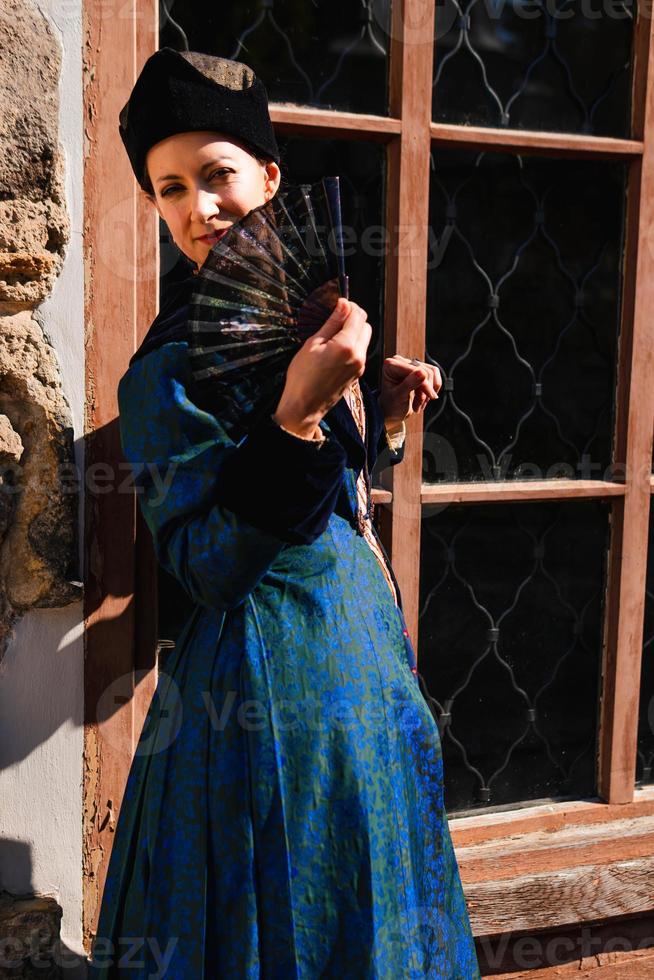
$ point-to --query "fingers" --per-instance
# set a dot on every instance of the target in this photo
(432, 379)
(357, 331)
(334, 323)
(425, 378)
(355, 320)
(422, 380)
(347, 318)
(412, 381)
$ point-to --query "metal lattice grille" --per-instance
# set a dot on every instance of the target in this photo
(510, 647)
(333, 54)
(543, 66)
(522, 316)
(645, 745)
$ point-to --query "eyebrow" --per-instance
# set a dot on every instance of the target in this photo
(205, 166)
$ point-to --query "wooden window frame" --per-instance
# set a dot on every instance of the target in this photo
(121, 301)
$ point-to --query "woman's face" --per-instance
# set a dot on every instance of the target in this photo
(203, 182)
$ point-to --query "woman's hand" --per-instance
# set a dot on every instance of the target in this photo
(324, 367)
(407, 386)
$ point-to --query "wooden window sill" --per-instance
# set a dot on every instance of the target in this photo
(556, 864)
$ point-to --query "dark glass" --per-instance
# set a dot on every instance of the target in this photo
(564, 67)
(523, 309)
(361, 167)
(333, 55)
(645, 745)
(510, 646)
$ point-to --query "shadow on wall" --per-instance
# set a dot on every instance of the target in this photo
(46, 648)
(29, 925)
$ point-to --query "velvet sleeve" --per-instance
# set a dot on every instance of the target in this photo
(283, 484)
(219, 513)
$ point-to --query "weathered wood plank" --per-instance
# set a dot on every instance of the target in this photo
(309, 121)
(637, 964)
(380, 496)
(518, 490)
(579, 894)
(121, 289)
(627, 567)
(567, 950)
(531, 142)
(560, 850)
(554, 817)
(407, 217)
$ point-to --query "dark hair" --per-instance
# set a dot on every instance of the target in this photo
(146, 183)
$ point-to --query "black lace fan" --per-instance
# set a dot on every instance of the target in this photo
(269, 283)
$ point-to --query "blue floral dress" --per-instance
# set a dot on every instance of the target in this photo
(283, 816)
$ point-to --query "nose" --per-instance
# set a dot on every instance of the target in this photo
(205, 205)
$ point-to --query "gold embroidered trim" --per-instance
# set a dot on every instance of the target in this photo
(354, 400)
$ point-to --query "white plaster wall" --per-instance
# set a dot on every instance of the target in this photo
(41, 676)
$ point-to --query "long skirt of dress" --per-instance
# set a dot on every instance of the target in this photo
(283, 816)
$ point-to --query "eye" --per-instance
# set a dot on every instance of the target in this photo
(215, 173)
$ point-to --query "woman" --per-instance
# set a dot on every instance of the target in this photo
(286, 819)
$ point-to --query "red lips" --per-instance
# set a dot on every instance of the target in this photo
(213, 237)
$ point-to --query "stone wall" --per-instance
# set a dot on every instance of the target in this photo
(38, 480)
(29, 938)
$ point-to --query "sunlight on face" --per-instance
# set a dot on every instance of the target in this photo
(203, 182)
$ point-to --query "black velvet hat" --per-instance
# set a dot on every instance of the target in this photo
(183, 91)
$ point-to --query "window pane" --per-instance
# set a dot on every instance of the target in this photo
(522, 315)
(645, 747)
(361, 167)
(542, 66)
(332, 55)
(510, 646)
